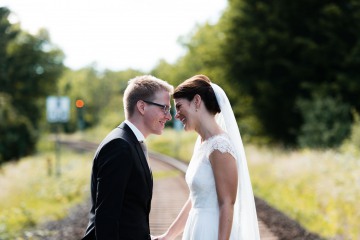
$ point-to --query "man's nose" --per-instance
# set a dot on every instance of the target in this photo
(168, 116)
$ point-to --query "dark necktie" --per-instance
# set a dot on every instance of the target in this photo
(144, 148)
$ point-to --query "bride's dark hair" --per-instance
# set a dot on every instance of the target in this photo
(198, 84)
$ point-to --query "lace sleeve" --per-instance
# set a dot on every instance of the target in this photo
(221, 143)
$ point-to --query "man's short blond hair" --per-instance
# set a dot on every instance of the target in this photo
(143, 88)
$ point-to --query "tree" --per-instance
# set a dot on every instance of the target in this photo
(33, 67)
(326, 122)
(8, 33)
(280, 51)
(17, 133)
(29, 68)
(204, 46)
(101, 92)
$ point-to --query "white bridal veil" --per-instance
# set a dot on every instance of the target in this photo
(245, 223)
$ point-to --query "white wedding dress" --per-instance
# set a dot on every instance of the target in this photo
(203, 220)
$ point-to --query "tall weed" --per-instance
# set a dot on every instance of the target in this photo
(31, 196)
(317, 188)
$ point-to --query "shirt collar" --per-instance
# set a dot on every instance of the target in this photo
(140, 137)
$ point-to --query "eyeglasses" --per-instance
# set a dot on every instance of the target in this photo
(165, 108)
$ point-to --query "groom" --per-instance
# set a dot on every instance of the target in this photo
(121, 179)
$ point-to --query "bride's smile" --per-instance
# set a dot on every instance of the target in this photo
(183, 120)
(181, 110)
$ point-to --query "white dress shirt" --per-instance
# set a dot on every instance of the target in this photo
(140, 137)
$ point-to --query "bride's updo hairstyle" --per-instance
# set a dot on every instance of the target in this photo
(198, 84)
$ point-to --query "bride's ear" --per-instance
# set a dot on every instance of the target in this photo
(197, 101)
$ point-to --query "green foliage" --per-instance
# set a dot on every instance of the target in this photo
(17, 133)
(167, 72)
(8, 33)
(204, 52)
(178, 144)
(327, 122)
(30, 196)
(101, 92)
(166, 174)
(355, 131)
(352, 144)
(29, 68)
(204, 56)
(281, 51)
(33, 68)
(316, 188)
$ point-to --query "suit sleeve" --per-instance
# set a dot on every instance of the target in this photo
(114, 167)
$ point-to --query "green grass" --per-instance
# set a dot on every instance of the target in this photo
(31, 192)
(29, 196)
(319, 189)
(178, 144)
(166, 174)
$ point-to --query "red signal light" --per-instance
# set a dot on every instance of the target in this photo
(79, 103)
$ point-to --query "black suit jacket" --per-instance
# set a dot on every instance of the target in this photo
(121, 189)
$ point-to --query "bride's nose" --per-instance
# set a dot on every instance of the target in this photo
(176, 115)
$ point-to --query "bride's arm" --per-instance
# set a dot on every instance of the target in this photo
(226, 178)
(178, 225)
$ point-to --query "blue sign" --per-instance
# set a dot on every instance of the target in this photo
(57, 109)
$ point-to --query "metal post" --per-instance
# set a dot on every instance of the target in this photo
(57, 151)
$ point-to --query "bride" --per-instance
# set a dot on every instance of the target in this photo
(221, 202)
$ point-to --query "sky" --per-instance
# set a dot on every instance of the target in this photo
(116, 34)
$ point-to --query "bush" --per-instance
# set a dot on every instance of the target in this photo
(18, 137)
(352, 144)
(326, 122)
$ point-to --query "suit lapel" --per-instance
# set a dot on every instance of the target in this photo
(145, 165)
(141, 155)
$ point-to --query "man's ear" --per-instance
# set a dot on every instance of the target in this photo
(140, 105)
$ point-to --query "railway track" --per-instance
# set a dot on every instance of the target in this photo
(170, 193)
(170, 190)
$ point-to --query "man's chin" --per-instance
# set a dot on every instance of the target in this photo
(159, 132)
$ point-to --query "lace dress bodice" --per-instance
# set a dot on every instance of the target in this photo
(200, 177)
